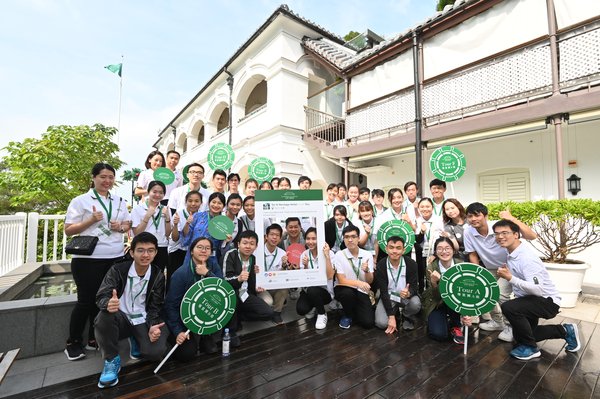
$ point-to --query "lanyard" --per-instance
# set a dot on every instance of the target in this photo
(338, 234)
(428, 232)
(328, 209)
(250, 261)
(391, 270)
(133, 298)
(107, 210)
(395, 215)
(437, 209)
(187, 215)
(243, 219)
(310, 260)
(272, 260)
(370, 224)
(156, 219)
(355, 268)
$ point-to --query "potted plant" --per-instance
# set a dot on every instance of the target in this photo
(564, 227)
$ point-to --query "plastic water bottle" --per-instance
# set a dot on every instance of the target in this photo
(226, 340)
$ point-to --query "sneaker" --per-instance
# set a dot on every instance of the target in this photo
(408, 325)
(277, 318)
(572, 337)
(294, 293)
(491, 325)
(208, 344)
(311, 313)
(92, 345)
(235, 341)
(74, 351)
(134, 349)
(321, 321)
(525, 352)
(110, 373)
(506, 335)
(457, 335)
(345, 322)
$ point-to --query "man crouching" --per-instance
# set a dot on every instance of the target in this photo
(130, 299)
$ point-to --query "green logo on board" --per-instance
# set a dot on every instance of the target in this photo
(220, 156)
(398, 228)
(261, 169)
(448, 163)
(208, 305)
(469, 289)
(164, 175)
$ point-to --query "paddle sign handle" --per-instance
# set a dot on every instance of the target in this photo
(168, 355)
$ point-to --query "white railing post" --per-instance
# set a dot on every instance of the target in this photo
(32, 232)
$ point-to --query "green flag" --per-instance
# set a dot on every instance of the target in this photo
(115, 68)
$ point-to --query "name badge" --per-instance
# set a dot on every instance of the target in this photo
(395, 296)
(136, 319)
(244, 295)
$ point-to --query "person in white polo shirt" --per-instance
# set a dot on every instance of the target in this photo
(195, 174)
(536, 296)
(354, 268)
(482, 248)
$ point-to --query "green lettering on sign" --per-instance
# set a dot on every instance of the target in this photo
(469, 289)
(448, 163)
(207, 306)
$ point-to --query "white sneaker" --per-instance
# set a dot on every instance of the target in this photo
(311, 313)
(491, 325)
(506, 335)
(321, 322)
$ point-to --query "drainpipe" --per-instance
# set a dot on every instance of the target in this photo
(230, 84)
(556, 119)
(418, 113)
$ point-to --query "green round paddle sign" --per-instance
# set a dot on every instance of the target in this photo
(469, 289)
(448, 163)
(220, 156)
(184, 172)
(207, 306)
(164, 175)
(398, 228)
(261, 169)
(220, 227)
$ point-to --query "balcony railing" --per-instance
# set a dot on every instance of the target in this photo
(324, 126)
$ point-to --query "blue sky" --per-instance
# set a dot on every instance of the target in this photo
(54, 52)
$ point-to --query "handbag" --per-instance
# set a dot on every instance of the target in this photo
(81, 245)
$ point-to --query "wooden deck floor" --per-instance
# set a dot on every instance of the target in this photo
(296, 361)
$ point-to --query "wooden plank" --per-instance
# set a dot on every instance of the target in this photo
(7, 361)
(584, 378)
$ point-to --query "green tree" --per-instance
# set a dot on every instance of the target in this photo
(351, 35)
(443, 3)
(132, 176)
(44, 174)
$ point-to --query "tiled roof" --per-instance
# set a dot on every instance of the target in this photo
(339, 55)
(336, 54)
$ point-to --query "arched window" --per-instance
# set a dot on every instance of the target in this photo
(257, 98)
(223, 121)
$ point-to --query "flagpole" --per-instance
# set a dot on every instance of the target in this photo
(120, 96)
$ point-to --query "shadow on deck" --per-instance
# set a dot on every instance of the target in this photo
(295, 360)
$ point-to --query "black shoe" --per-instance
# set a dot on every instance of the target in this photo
(74, 351)
(235, 341)
(208, 345)
(92, 345)
(277, 318)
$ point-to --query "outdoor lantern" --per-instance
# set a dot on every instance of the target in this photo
(574, 183)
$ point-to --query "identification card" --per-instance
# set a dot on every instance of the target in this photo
(395, 296)
(244, 295)
(137, 320)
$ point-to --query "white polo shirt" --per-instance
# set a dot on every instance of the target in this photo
(156, 224)
(372, 239)
(273, 259)
(147, 176)
(348, 265)
(177, 198)
(133, 300)
(491, 254)
(110, 243)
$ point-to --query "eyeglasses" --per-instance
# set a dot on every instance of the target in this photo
(203, 248)
(149, 251)
(503, 233)
(352, 237)
(195, 172)
(442, 250)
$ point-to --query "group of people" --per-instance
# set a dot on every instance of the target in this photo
(137, 295)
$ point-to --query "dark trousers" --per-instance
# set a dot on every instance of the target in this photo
(356, 305)
(88, 275)
(112, 327)
(162, 258)
(523, 314)
(189, 349)
(313, 297)
(176, 259)
(440, 321)
(421, 266)
(253, 308)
